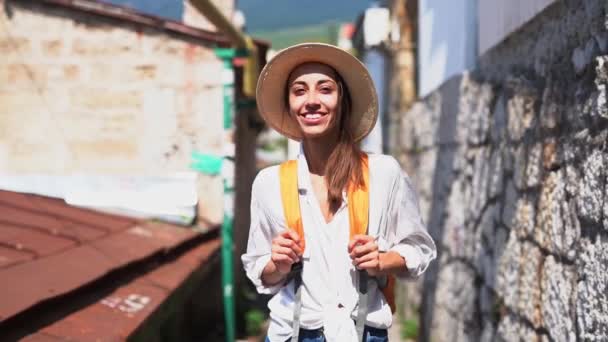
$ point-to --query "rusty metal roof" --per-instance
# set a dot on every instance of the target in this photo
(119, 314)
(50, 251)
(127, 14)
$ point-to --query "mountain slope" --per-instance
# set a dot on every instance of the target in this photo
(265, 15)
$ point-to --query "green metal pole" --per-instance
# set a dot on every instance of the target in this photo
(228, 178)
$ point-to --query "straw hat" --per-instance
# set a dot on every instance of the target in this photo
(270, 93)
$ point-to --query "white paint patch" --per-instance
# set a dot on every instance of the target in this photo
(137, 230)
(227, 77)
(131, 304)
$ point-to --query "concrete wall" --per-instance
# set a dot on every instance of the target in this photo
(510, 163)
(447, 41)
(84, 93)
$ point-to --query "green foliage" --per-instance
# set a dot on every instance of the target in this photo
(253, 322)
(409, 329)
(498, 309)
(275, 144)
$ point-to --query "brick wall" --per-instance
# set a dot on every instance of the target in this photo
(80, 92)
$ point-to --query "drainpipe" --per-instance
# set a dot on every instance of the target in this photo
(227, 172)
(242, 46)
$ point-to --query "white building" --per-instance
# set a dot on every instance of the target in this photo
(452, 34)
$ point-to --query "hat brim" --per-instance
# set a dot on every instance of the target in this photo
(273, 81)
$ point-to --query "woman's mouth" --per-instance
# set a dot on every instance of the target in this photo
(312, 118)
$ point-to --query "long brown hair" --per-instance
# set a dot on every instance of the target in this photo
(344, 165)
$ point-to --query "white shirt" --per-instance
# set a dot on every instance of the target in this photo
(328, 276)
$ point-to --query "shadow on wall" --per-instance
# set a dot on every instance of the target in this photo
(442, 181)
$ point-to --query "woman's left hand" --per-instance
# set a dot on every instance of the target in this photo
(363, 250)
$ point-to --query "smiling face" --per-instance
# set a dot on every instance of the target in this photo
(313, 97)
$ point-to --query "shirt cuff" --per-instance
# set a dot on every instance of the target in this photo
(256, 276)
(412, 258)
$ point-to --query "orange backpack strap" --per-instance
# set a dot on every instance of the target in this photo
(358, 203)
(358, 211)
(290, 196)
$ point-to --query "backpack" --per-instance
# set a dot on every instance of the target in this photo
(358, 214)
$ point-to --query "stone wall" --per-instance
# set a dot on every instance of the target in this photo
(511, 162)
(80, 92)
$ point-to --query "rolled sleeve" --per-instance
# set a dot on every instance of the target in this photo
(411, 256)
(407, 234)
(259, 246)
(254, 273)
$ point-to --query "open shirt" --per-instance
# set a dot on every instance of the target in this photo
(329, 280)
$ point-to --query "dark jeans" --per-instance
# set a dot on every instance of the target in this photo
(371, 335)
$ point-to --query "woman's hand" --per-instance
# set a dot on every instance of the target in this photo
(285, 251)
(363, 250)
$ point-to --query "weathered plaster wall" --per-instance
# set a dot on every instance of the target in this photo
(81, 93)
(511, 166)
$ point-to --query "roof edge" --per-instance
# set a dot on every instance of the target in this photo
(126, 14)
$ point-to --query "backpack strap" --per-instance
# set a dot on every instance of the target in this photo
(290, 196)
(358, 203)
(358, 215)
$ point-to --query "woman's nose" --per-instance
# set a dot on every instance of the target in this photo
(312, 99)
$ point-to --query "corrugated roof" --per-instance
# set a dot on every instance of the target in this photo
(50, 250)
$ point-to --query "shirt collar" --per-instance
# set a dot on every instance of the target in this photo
(303, 175)
(304, 183)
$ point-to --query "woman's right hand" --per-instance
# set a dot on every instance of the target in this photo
(286, 251)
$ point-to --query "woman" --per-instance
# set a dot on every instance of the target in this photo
(324, 97)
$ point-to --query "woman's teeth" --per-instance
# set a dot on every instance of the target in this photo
(312, 116)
